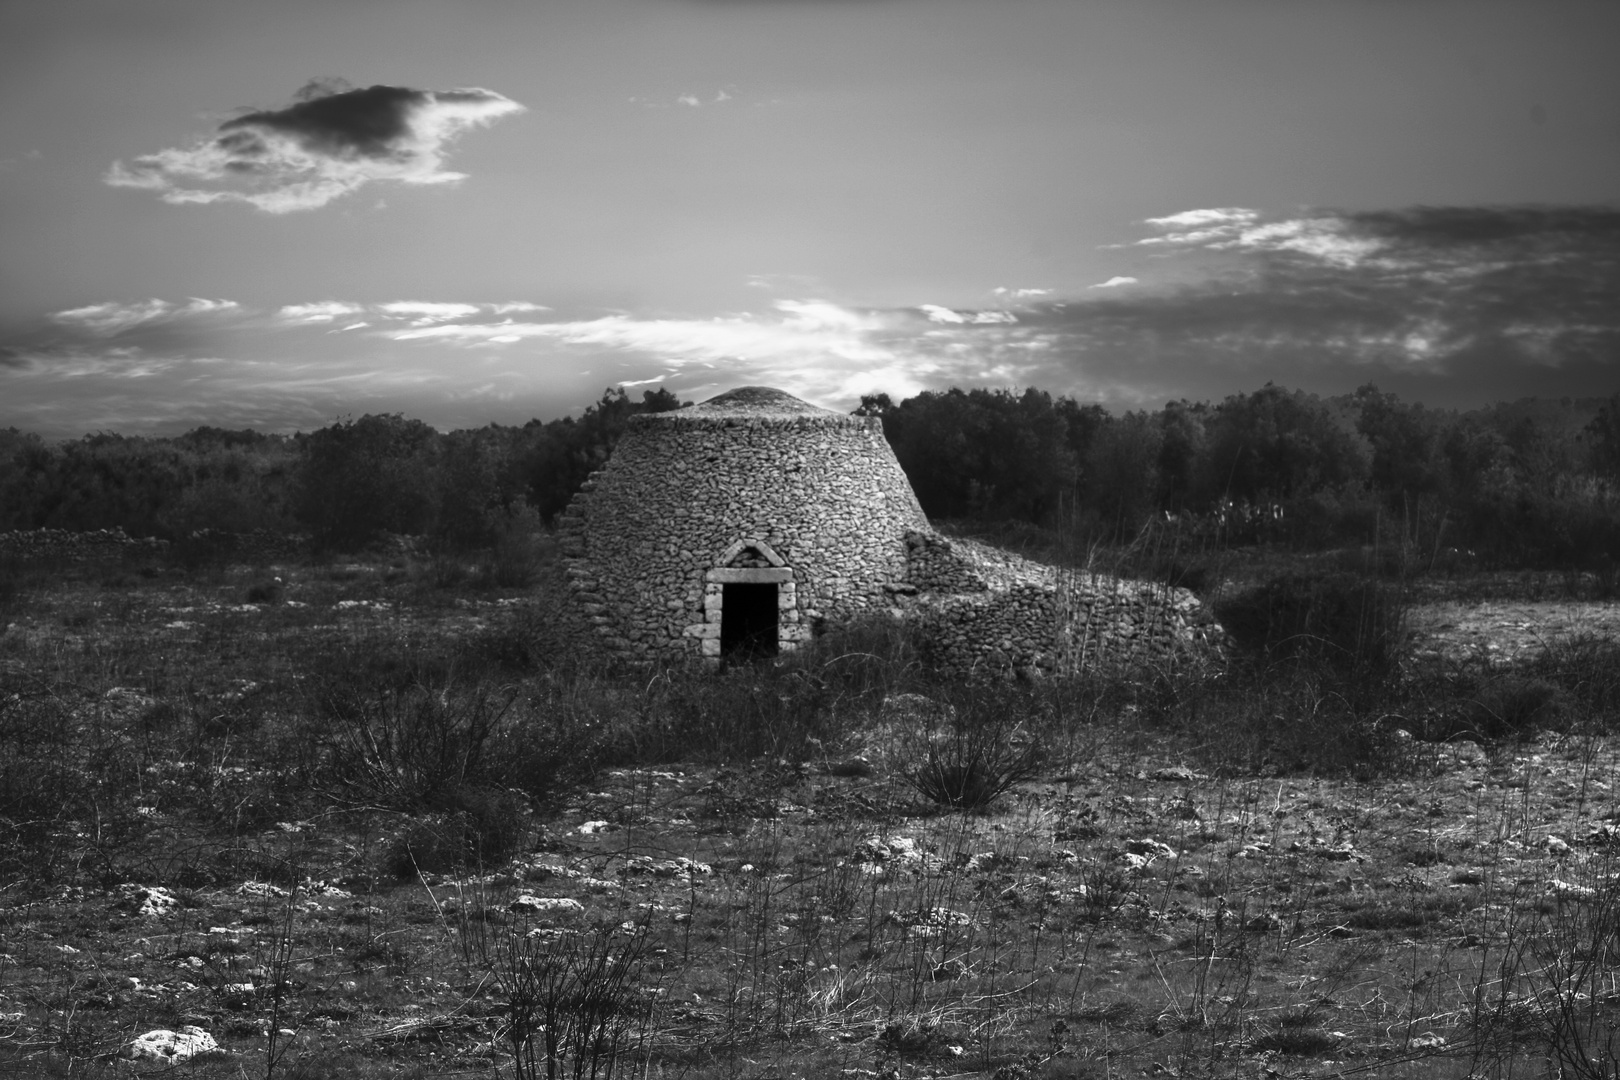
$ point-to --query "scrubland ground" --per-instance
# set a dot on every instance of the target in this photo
(374, 819)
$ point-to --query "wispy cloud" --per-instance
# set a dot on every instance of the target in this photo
(109, 319)
(424, 313)
(322, 312)
(331, 141)
(1115, 282)
(688, 99)
(1333, 238)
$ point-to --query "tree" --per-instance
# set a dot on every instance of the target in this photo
(982, 453)
(1121, 473)
(362, 478)
(1276, 444)
(1603, 440)
(1181, 453)
(561, 454)
(1405, 439)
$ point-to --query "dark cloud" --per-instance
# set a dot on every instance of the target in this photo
(329, 142)
(374, 122)
(1467, 304)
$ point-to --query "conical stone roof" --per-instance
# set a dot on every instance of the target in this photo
(748, 402)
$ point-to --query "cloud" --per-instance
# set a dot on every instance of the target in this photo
(690, 100)
(1114, 282)
(1449, 305)
(109, 319)
(422, 313)
(323, 312)
(328, 143)
(1330, 237)
(826, 352)
(1460, 304)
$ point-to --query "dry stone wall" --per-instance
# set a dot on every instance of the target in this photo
(982, 611)
(63, 545)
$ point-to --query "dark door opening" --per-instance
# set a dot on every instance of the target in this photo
(748, 619)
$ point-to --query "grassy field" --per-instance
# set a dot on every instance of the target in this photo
(374, 819)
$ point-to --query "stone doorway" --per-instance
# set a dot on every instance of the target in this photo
(750, 605)
(749, 620)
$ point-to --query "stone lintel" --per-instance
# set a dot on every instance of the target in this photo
(748, 575)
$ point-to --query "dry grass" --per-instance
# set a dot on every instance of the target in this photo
(347, 787)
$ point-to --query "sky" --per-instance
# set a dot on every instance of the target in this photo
(281, 215)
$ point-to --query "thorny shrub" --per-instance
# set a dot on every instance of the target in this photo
(973, 752)
(575, 1001)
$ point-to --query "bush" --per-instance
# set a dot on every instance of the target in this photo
(1514, 708)
(1351, 627)
(574, 1006)
(517, 554)
(972, 751)
(485, 827)
(265, 591)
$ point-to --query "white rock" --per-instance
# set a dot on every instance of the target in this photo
(1150, 849)
(170, 1047)
(260, 889)
(546, 905)
(149, 902)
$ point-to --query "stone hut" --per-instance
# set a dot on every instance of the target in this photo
(736, 525)
(739, 526)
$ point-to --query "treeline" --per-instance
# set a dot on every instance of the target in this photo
(345, 485)
(1534, 483)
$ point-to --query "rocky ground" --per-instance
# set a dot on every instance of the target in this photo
(1126, 911)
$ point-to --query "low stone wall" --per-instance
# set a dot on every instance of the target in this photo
(982, 611)
(63, 545)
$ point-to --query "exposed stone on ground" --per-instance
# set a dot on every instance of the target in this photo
(170, 1047)
(680, 867)
(528, 904)
(930, 922)
(149, 902)
(261, 890)
(1150, 849)
(878, 849)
